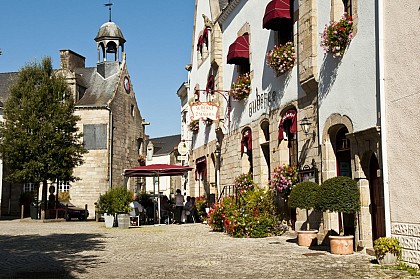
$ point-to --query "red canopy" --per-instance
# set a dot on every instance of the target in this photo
(290, 114)
(239, 50)
(157, 170)
(276, 12)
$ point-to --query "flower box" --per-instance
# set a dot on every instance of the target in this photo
(241, 88)
(337, 36)
(281, 58)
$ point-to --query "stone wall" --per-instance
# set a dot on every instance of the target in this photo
(94, 173)
(409, 238)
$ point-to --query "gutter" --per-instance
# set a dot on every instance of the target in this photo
(382, 112)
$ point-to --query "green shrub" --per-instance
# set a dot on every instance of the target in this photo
(385, 245)
(339, 194)
(255, 216)
(304, 195)
(244, 182)
(116, 200)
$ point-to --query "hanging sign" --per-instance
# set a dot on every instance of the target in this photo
(205, 110)
(182, 148)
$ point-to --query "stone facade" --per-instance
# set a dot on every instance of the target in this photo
(348, 102)
(110, 121)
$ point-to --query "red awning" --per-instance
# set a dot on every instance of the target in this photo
(210, 84)
(157, 170)
(276, 12)
(290, 114)
(246, 141)
(239, 50)
(200, 167)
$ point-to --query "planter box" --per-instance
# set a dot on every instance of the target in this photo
(341, 245)
(308, 238)
(388, 259)
(109, 220)
(123, 221)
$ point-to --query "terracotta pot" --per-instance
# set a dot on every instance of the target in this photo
(307, 238)
(341, 245)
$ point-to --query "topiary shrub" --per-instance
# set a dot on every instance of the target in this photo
(305, 195)
(339, 194)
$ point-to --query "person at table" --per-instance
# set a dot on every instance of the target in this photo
(179, 206)
(188, 209)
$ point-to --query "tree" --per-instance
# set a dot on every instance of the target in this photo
(39, 137)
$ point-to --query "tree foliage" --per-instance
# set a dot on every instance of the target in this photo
(39, 137)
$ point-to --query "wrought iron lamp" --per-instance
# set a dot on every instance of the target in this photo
(306, 125)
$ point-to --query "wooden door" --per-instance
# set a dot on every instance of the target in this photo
(376, 200)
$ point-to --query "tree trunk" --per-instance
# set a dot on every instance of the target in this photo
(44, 199)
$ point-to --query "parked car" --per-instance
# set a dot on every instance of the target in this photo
(72, 211)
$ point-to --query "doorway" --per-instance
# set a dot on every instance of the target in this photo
(376, 200)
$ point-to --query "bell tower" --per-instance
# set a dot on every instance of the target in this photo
(109, 42)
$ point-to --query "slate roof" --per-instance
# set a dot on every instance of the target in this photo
(164, 145)
(99, 91)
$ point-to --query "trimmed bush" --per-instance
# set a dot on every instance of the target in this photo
(339, 194)
(304, 195)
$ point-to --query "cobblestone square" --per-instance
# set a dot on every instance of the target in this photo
(32, 249)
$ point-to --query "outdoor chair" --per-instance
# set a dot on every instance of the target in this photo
(135, 217)
(167, 217)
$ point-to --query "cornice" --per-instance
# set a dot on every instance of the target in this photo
(227, 11)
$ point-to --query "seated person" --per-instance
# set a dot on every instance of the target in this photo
(188, 207)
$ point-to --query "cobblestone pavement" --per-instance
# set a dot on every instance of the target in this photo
(89, 250)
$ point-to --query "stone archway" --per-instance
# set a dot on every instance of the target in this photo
(333, 163)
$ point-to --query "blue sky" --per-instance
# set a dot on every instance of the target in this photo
(158, 46)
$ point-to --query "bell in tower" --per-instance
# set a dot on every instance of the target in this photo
(109, 40)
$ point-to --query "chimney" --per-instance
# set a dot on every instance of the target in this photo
(71, 60)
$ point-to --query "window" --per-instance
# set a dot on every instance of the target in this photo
(94, 136)
(347, 6)
(28, 187)
(63, 186)
(132, 110)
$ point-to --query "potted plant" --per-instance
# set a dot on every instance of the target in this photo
(281, 58)
(141, 159)
(305, 196)
(116, 202)
(241, 88)
(340, 194)
(337, 36)
(194, 126)
(105, 207)
(387, 250)
(121, 206)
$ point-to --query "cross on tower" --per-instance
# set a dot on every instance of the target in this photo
(109, 5)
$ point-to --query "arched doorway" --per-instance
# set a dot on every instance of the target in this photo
(376, 200)
(343, 160)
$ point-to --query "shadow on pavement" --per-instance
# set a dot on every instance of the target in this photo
(49, 256)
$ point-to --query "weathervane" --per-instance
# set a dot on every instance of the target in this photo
(109, 5)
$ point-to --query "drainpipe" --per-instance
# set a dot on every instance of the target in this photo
(382, 113)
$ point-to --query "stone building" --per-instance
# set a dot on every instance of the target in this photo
(324, 115)
(165, 151)
(111, 122)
